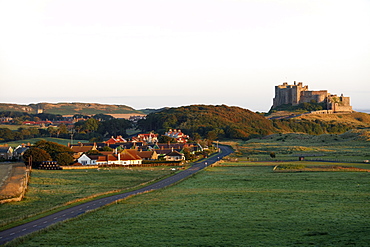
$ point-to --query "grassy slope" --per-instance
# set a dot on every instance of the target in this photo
(356, 118)
(351, 146)
(71, 108)
(231, 206)
(51, 139)
(50, 189)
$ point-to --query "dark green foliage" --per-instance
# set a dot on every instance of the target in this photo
(58, 152)
(209, 121)
(114, 127)
(166, 139)
(36, 155)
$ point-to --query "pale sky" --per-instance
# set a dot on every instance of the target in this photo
(156, 53)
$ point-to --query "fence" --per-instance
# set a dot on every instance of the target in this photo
(23, 186)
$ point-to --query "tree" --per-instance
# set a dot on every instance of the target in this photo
(90, 125)
(58, 152)
(37, 156)
(114, 127)
(52, 131)
(64, 159)
(166, 139)
(62, 129)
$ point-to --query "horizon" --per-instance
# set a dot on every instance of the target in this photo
(365, 110)
(168, 54)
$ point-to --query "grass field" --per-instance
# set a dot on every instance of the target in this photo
(15, 127)
(350, 146)
(51, 139)
(231, 206)
(52, 189)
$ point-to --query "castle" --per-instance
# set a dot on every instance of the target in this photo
(297, 94)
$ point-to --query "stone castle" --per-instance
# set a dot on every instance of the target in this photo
(297, 94)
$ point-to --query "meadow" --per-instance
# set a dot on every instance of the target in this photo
(50, 139)
(54, 189)
(352, 146)
(230, 206)
(242, 203)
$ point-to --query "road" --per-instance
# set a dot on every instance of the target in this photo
(22, 230)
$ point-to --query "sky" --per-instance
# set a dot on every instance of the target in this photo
(170, 53)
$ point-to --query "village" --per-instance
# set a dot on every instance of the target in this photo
(141, 149)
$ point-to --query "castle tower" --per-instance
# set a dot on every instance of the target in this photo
(288, 94)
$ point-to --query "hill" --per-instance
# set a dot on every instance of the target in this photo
(358, 119)
(71, 108)
(209, 121)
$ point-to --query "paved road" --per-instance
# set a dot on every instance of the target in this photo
(13, 233)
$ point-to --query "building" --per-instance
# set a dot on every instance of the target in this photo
(6, 152)
(296, 94)
(178, 135)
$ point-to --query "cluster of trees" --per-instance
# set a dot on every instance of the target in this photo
(208, 121)
(20, 134)
(94, 128)
(48, 151)
(20, 117)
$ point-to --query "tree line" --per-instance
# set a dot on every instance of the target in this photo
(93, 128)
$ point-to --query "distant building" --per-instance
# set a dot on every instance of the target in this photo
(296, 94)
(178, 135)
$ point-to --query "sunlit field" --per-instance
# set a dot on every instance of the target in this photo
(231, 206)
(49, 189)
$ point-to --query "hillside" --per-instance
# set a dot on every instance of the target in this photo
(358, 119)
(209, 121)
(71, 108)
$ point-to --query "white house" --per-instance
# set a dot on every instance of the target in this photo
(87, 160)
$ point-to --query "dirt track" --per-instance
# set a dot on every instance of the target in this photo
(12, 180)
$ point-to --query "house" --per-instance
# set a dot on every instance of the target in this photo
(163, 152)
(113, 140)
(148, 155)
(132, 156)
(19, 151)
(150, 138)
(126, 157)
(178, 135)
(88, 159)
(174, 156)
(6, 152)
(78, 150)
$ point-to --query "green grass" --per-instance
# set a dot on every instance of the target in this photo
(15, 127)
(51, 139)
(52, 189)
(231, 206)
(348, 147)
(296, 163)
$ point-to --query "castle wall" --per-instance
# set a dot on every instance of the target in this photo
(297, 94)
(316, 96)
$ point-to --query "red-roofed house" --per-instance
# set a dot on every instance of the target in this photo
(178, 135)
(113, 140)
